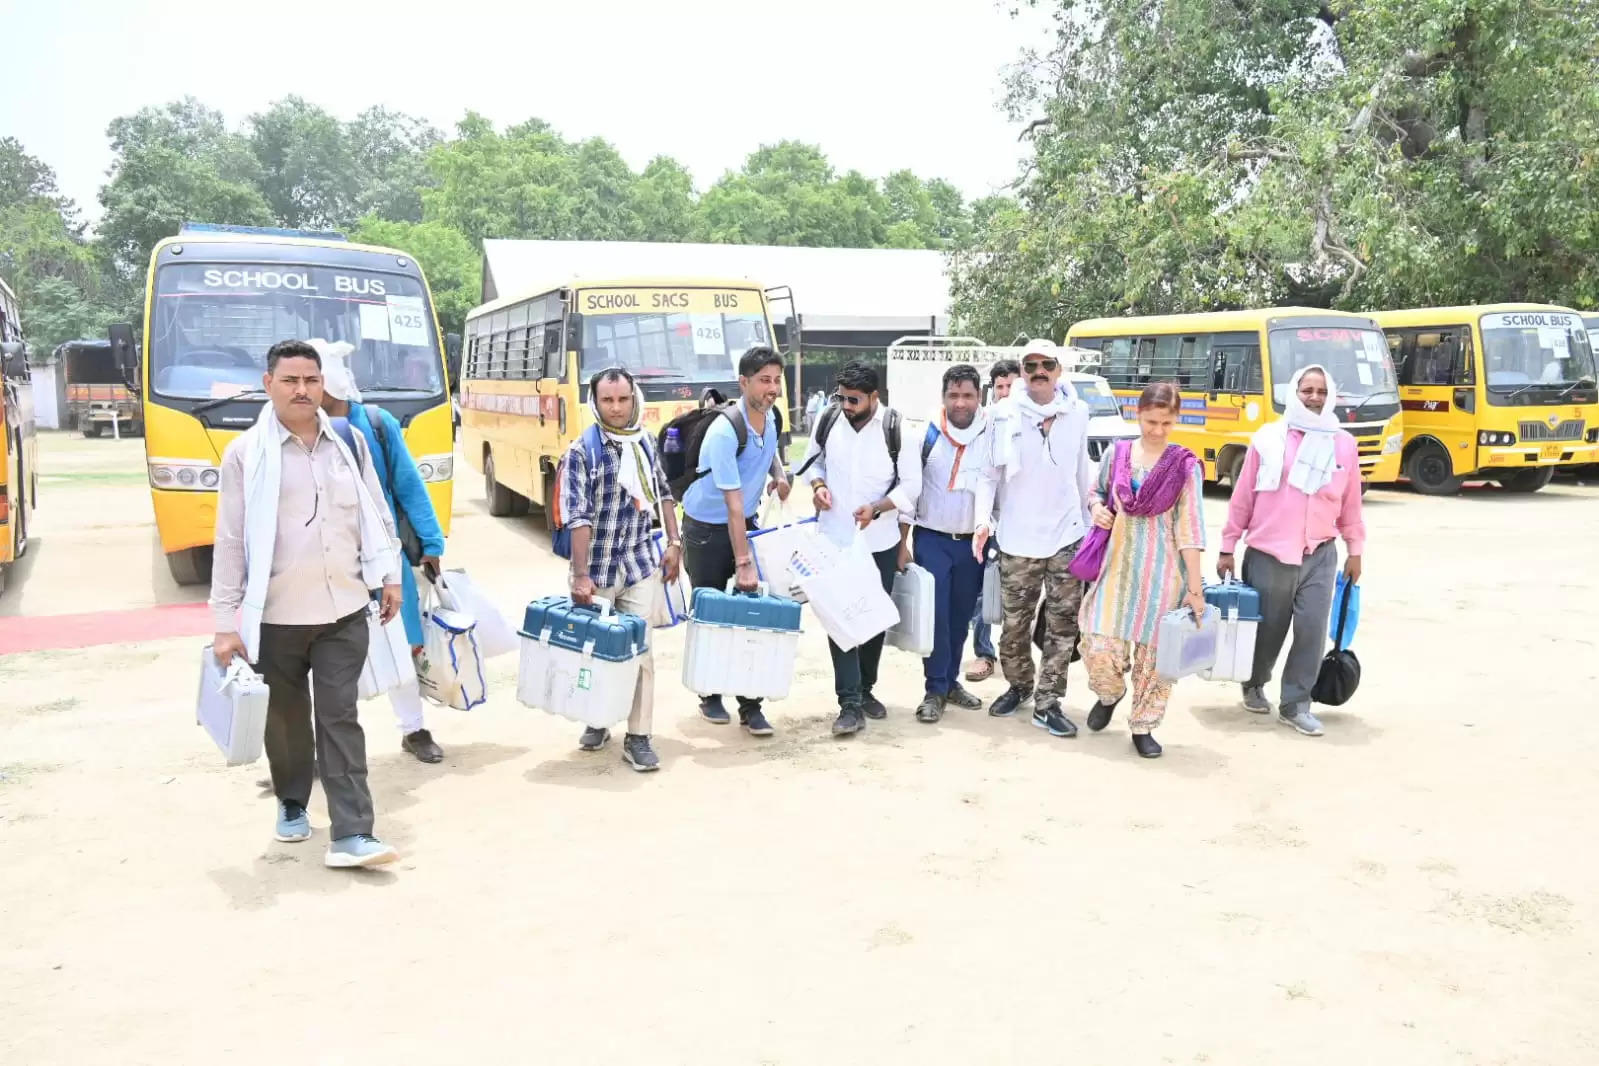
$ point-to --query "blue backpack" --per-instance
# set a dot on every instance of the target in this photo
(593, 449)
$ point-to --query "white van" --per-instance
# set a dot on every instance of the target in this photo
(915, 380)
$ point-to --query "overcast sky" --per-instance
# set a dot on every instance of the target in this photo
(879, 84)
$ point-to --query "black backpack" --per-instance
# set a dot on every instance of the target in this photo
(829, 416)
(682, 466)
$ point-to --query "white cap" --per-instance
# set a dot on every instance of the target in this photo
(1040, 347)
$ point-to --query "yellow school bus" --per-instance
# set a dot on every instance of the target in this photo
(529, 358)
(19, 449)
(1234, 368)
(1496, 392)
(216, 299)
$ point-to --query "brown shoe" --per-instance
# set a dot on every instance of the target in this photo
(980, 670)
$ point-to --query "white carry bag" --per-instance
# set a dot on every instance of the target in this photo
(913, 596)
(679, 594)
(232, 706)
(774, 546)
(388, 656)
(495, 636)
(449, 668)
(993, 602)
(848, 596)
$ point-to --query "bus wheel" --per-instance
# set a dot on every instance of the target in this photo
(1430, 471)
(502, 501)
(191, 566)
(1527, 480)
(91, 429)
(1229, 466)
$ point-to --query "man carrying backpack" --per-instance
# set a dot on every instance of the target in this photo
(406, 495)
(719, 509)
(957, 485)
(860, 478)
(611, 490)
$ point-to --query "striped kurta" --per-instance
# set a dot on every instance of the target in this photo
(1144, 576)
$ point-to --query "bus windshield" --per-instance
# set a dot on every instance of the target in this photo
(1356, 358)
(671, 347)
(1534, 348)
(211, 326)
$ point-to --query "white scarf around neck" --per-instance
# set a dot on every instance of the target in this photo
(1016, 413)
(636, 469)
(963, 474)
(1316, 461)
(263, 484)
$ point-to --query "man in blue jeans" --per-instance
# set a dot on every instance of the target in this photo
(1001, 376)
(957, 485)
(719, 508)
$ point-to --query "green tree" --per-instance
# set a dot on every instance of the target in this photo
(57, 276)
(170, 165)
(1215, 154)
(388, 153)
(663, 202)
(307, 169)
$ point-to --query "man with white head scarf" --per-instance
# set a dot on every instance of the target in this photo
(406, 494)
(612, 488)
(1298, 491)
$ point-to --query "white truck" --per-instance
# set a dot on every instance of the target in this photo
(915, 376)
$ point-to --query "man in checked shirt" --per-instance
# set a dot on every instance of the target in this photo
(609, 505)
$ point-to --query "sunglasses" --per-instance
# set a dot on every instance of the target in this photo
(852, 401)
(1040, 364)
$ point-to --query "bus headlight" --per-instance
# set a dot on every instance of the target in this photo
(1391, 444)
(1494, 438)
(439, 467)
(184, 475)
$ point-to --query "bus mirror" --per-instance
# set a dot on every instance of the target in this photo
(574, 331)
(452, 356)
(124, 352)
(791, 331)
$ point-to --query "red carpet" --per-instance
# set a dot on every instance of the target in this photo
(51, 631)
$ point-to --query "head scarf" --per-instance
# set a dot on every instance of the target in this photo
(337, 381)
(1315, 462)
(636, 470)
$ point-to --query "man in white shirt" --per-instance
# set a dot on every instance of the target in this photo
(861, 479)
(957, 485)
(1041, 461)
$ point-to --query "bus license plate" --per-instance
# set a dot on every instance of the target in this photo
(1549, 451)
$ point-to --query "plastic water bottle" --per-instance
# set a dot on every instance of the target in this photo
(674, 442)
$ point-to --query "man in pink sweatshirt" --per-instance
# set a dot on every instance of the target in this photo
(1298, 491)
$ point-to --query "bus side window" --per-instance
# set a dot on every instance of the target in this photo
(1119, 362)
(1237, 369)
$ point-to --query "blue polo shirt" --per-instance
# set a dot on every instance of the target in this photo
(704, 501)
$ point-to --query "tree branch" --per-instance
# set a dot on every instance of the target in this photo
(1036, 124)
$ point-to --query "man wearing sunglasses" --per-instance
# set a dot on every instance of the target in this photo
(1042, 466)
(859, 488)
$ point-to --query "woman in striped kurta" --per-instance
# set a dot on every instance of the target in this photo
(1151, 505)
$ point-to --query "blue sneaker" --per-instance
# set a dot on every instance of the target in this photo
(361, 849)
(293, 825)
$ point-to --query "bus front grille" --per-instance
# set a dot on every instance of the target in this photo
(1533, 431)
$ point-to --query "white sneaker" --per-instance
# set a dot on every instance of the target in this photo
(362, 849)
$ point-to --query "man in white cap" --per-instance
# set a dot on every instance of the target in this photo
(409, 502)
(1040, 441)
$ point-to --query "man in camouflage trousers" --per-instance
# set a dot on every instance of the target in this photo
(1042, 465)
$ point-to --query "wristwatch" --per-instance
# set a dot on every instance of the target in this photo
(674, 543)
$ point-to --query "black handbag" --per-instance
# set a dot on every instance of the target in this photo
(1339, 675)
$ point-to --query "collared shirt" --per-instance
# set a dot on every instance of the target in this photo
(730, 470)
(316, 556)
(954, 510)
(1286, 523)
(1044, 502)
(856, 467)
(622, 551)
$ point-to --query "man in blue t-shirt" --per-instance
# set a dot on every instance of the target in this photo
(719, 508)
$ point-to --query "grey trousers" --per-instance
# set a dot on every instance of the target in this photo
(332, 655)
(1300, 596)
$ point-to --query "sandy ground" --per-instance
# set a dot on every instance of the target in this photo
(1417, 887)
